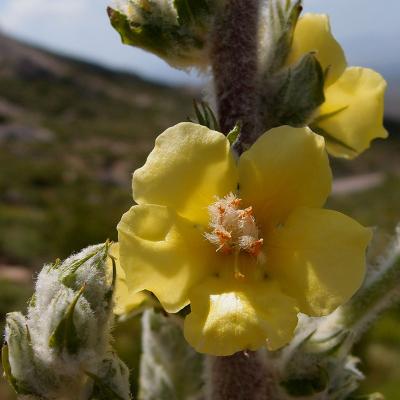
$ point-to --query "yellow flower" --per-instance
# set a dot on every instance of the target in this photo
(245, 243)
(352, 114)
(125, 301)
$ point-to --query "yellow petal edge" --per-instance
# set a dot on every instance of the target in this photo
(359, 94)
(285, 168)
(313, 34)
(318, 257)
(228, 317)
(164, 253)
(124, 300)
(189, 165)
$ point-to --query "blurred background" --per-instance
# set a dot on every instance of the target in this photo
(79, 112)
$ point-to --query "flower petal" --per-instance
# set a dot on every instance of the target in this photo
(230, 316)
(359, 94)
(125, 300)
(163, 253)
(313, 33)
(286, 168)
(318, 257)
(189, 165)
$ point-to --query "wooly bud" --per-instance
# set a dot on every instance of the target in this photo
(61, 349)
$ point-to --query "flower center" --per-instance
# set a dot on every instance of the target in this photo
(234, 229)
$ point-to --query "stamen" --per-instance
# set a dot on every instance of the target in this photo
(255, 247)
(234, 230)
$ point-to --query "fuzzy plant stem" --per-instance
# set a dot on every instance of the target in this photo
(241, 376)
(234, 61)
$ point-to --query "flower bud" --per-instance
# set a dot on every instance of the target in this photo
(62, 347)
(176, 31)
(17, 355)
(112, 380)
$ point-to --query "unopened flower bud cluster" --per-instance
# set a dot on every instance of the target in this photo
(61, 348)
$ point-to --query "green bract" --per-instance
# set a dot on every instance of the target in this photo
(176, 31)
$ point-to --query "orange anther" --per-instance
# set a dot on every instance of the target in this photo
(224, 249)
(236, 202)
(247, 212)
(223, 234)
(255, 247)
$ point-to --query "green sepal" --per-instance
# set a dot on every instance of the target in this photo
(299, 93)
(109, 294)
(282, 22)
(191, 11)
(111, 380)
(102, 391)
(234, 133)
(69, 275)
(148, 37)
(65, 336)
(204, 115)
(19, 344)
(56, 264)
(7, 368)
(32, 301)
(180, 39)
(20, 388)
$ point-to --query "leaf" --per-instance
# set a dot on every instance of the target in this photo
(102, 391)
(170, 368)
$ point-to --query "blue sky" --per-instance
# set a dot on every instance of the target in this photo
(368, 30)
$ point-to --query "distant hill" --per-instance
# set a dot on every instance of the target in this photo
(71, 133)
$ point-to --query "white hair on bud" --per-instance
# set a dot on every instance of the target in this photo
(45, 364)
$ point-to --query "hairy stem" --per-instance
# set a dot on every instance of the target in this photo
(238, 377)
(234, 63)
(234, 58)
